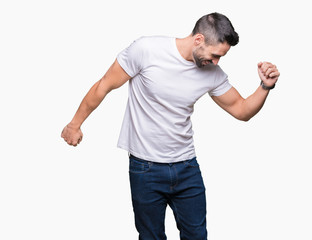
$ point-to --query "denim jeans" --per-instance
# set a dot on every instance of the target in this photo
(180, 185)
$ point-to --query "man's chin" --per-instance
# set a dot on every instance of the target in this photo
(199, 64)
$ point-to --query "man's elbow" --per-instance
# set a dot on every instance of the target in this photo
(243, 117)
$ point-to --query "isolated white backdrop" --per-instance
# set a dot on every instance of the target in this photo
(257, 174)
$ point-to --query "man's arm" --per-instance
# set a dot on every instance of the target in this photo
(114, 78)
(245, 109)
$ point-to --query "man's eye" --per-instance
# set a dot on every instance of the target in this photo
(216, 56)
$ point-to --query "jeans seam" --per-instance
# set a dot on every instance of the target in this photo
(178, 219)
(176, 175)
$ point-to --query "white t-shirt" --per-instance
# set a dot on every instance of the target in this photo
(162, 92)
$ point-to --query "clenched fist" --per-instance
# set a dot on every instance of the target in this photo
(268, 73)
(72, 135)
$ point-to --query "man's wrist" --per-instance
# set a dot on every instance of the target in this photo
(74, 125)
(265, 87)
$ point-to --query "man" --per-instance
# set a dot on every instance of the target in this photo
(166, 77)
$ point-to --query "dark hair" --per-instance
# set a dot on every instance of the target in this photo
(216, 28)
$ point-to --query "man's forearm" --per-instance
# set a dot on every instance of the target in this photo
(89, 103)
(253, 104)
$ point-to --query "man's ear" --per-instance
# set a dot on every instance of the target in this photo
(198, 39)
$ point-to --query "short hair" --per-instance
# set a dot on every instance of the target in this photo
(216, 28)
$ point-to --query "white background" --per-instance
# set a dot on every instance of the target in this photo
(257, 174)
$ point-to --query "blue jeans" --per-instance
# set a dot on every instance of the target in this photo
(180, 185)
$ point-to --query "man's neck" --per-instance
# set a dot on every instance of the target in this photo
(184, 46)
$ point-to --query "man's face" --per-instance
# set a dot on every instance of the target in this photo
(209, 54)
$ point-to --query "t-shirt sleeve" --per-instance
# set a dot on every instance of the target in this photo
(130, 59)
(222, 84)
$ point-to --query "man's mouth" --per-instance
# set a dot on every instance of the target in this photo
(206, 62)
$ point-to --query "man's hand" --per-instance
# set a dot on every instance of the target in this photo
(72, 135)
(268, 73)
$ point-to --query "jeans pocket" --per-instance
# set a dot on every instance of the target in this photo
(192, 163)
(138, 165)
